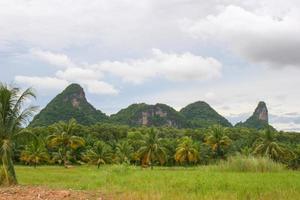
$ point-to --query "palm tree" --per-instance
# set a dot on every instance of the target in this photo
(124, 152)
(218, 140)
(64, 139)
(99, 154)
(35, 153)
(186, 151)
(12, 118)
(267, 145)
(151, 149)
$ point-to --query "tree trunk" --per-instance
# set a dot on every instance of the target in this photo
(8, 174)
(65, 161)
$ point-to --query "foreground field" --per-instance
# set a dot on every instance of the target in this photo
(122, 182)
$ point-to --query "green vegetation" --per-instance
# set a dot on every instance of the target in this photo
(152, 149)
(201, 115)
(63, 139)
(99, 154)
(12, 118)
(250, 164)
(72, 144)
(129, 182)
(267, 145)
(213, 157)
(35, 153)
(186, 152)
(156, 115)
(218, 141)
(259, 119)
(71, 103)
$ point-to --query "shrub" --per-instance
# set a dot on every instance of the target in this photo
(250, 164)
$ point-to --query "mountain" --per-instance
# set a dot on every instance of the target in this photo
(259, 119)
(201, 115)
(149, 115)
(71, 103)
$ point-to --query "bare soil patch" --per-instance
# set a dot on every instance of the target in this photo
(43, 193)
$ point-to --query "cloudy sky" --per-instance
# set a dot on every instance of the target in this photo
(230, 53)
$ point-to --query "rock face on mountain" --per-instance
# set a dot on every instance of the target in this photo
(201, 115)
(259, 119)
(149, 115)
(71, 103)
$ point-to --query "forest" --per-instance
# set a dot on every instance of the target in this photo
(103, 158)
(67, 143)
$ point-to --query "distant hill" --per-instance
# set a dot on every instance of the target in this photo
(259, 119)
(71, 103)
(149, 115)
(201, 115)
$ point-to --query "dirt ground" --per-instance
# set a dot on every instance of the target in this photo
(43, 193)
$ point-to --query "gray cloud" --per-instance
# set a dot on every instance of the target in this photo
(259, 36)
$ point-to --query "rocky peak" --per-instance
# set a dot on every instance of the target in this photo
(261, 112)
(70, 103)
(259, 119)
(149, 115)
(152, 111)
(74, 93)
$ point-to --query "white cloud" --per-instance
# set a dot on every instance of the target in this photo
(111, 31)
(100, 87)
(108, 24)
(48, 83)
(59, 60)
(78, 73)
(70, 72)
(258, 35)
(171, 66)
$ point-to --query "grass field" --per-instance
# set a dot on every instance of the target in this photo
(122, 182)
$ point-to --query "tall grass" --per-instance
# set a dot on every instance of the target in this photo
(164, 183)
(250, 164)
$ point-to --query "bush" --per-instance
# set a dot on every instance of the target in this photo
(250, 164)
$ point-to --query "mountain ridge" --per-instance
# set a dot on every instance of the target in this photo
(72, 103)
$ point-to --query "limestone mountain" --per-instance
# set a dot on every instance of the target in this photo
(259, 119)
(202, 115)
(71, 103)
(149, 115)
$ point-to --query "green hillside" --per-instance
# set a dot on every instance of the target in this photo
(71, 103)
(200, 114)
(149, 115)
(259, 119)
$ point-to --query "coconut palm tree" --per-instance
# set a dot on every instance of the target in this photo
(35, 153)
(64, 139)
(99, 154)
(12, 118)
(186, 152)
(151, 149)
(124, 152)
(218, 140)
(267, 145)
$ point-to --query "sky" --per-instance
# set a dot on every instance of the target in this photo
(230, 53)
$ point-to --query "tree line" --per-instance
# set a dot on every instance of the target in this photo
(69, 143)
